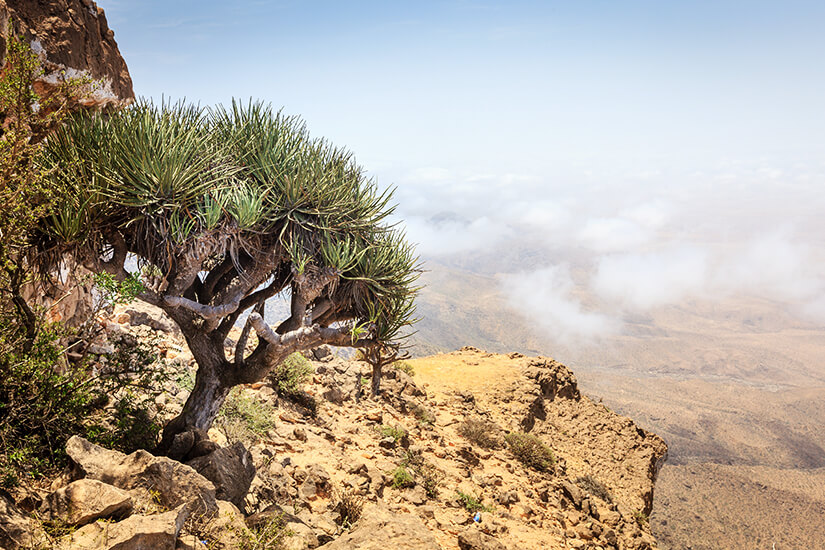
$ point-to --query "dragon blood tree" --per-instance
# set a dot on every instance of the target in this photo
(224, 209)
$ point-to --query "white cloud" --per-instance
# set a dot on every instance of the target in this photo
(613, 234)
(546, 297)
(643, 281)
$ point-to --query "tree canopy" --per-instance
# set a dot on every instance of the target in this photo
(224, 208)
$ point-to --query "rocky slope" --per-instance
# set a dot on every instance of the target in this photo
(432, 462)
(73, 39)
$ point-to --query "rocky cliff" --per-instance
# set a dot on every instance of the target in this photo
(73, 39)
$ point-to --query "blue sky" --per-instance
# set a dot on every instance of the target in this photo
(502, 86)
(647, 134)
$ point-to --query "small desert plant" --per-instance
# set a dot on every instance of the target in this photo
(288, 377)
(423, 415)
(530, 450)
(431, 479)
(244, 418)
(641, 518)
(350, 505)
(270, 536)
(595, 487)
(397, 433)
(402, 478)
(404, 367)
(481, 432)
(472, 503)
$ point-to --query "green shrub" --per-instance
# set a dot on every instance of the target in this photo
(481, 432)
(641, 518)
(244, 418)
(423, 415)
(397, 433)
(404, 367)
(131, 427)
(401, 478)
(472, 503)
(293, 372)
(530, 450)
(431, 479)
(596, 488)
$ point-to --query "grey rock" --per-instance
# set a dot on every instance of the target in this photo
(230, 469)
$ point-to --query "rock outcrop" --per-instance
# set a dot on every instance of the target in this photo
(73, 39)
(165, 482)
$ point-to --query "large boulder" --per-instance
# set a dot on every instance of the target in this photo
(155, 532)
(169, 482)
(231, 470)
(73, 39)
(379, 529)
(84, 501)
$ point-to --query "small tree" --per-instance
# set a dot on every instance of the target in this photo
(223, 210)
(379, 356)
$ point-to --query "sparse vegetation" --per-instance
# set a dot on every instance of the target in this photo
(349, 507)
(245, 418)
(595, 487)
(480, 432)
(431, 479)
(472, 503)
(397, 433)
(288, 377)
(402, 478)
(423, 415)
(404, 367)
(640, 518)
(530, 451)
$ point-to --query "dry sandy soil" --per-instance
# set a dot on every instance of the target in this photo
(735, 387)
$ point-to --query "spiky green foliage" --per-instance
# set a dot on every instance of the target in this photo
(248, 180)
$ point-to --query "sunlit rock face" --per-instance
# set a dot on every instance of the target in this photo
(72, 39)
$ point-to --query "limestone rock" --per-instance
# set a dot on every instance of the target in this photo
(71, 36)
(156, 532)
(231, 470)
(86, 500)
(379, 529)
(473, 539)
(170, 481)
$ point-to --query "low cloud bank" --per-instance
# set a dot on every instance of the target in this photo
(635, 247)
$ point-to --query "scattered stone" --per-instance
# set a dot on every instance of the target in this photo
(473, 539)
(381, 529)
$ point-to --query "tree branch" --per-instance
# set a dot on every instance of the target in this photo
(207, 291)
(207, 312)
(264, 294)
(276, 347)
